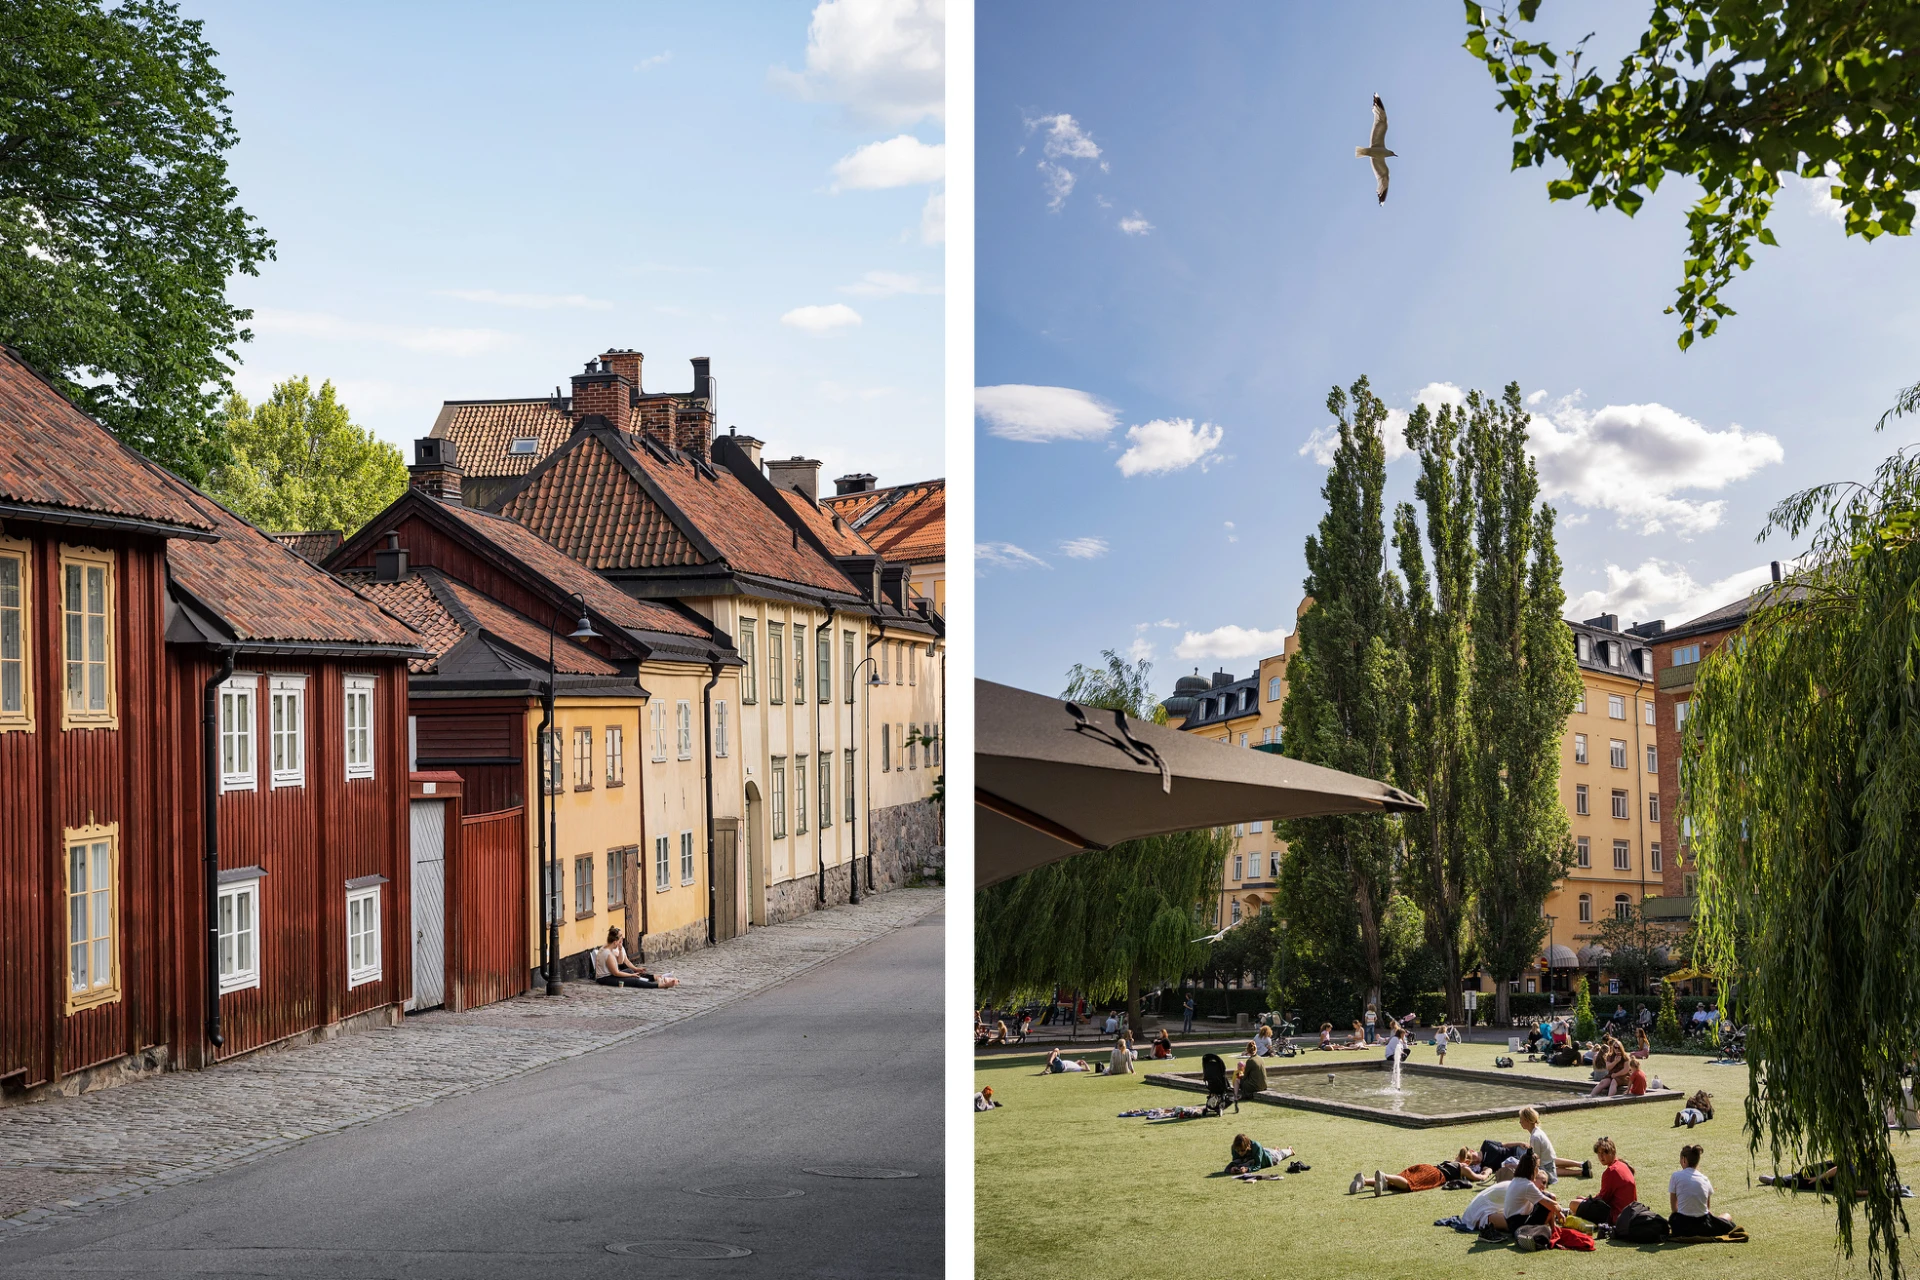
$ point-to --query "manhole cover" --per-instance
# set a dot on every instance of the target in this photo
(689, 1249)
(859, 1171)
(747, 1191)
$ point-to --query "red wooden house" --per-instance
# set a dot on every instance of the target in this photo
(121, 589)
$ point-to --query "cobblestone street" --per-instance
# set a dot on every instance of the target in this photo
(78, 1155)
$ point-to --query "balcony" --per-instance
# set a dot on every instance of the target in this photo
(1680, 677)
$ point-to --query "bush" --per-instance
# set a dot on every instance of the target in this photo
(1583, 1026)
(1666, 1027)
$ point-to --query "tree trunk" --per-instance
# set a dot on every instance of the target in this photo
(1133, 1004)
(1370, 942)
(1450, 966)
(1500, 1001)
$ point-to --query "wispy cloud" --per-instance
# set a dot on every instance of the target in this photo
(1040, 415)
(1231, 535)
(528, 301)
(1662, 589)
(1084, 548)
(657, 60)
(830, 318)
(325, 327)
(1004, 555)
(1135, 225)
(1230, 642)
(884, 284)
(904, 161)
(1067, 150)
(1169, 444)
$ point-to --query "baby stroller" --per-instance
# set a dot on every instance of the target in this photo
(1220, 1090)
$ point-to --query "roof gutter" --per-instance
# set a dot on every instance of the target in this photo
(102, 520)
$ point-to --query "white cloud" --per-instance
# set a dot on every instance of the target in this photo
(883, 60)
(1661, 589)
(1038, 415)
(1168, 444)
(1004, 555)
(834, 316)
(884, 284)
(1819, 194)
(1141, 650)
(903, 161)
(1231, 642)
(1058, 181)
(1135, 225)
(1634, 459)
(657, 60)
(528, 301)
(1231, 535)
(1084, 548)
(1064, 145)
(933, 219)
(424, 338)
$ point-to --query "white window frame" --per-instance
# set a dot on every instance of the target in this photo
(1586, 908)
(826, 789)
(369, 968)
(1620, 805)
(239, 977)
(1582, 852)
(683, 728)
(776, 663)
(800, 797)
(362, 690)
(1616, 706)
(1623, 855)
(287, 691)
(1580, 703)
(583, 882)
(777, 798)
(1680, 717)
(1653, 857)
(720, 729)
(1235, 908)
(659, 726)
(852, 794)
(686, 857)
(239, 733)
(1617, 752)
(1581, 804)
(662, 863)
(20, 614)
(1653, 758)
(823, 664)
(1579, 748)
(1239, 867)
(749, 649)
(886, 748)
(1646, 710)
(1273, 688)
(1622, 907)
(1653, 806)
(514, 449)
(616, 756)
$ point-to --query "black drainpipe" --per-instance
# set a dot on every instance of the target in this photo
(543, 774)
(706, 735)
(210, 824)
(821, 762)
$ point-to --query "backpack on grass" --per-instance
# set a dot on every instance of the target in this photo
(1639, 1224)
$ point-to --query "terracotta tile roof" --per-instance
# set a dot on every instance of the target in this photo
(905, 522)
(838, 538)
(523, 544)
(483, 431)
(716, 505)
(266, 593)
(410, 600)
(54, 455)
(314, 545)
(446, 612)
(523, 633)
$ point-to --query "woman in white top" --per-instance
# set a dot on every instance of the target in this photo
(611, 968)
(1488, 1209)
(1542, 1148)
(1122, 1059)
(1263, 1041)
(1690, 1196)
(1528, 1201)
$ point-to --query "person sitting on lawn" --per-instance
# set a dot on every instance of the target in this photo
(1326, 1035)
(1464, 1167)
(1529, 1203)
(1617, 1186)
(1690, 1196)
(983, 1100)
(1122, 1059)
(611, 968)
(1359, 1040)
(1056, 1064)
(1249, 1078)
(1488, 1210)
(1162, 1045)
(1263, 1041)
(1610, 1063)
(1249, 1156)
(1542, 1148)
(1641, 1048)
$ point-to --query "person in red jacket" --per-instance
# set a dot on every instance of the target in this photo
(1617, 1186)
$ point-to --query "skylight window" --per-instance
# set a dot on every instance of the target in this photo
(523, 444)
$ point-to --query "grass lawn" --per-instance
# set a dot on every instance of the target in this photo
(1065, 1191)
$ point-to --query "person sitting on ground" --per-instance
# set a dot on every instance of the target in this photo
(1326, 1035)
(1690, 1196)
(1113, 1023)
(1162, 1045)
(1056, 1064)
(1249, 1078)
(611, 968)
(1542, 1148)
(1000, 1034)
(1618, 1188)
(1488, 1210)
(1641, 1048)
(1646, 1016)
(1359, 1040)
(1464, 1167)
(1699, 1110)
(983, 1100)
(1122, 1059)
(1263, 1041)
(1249, 1156)
(1529, 1203)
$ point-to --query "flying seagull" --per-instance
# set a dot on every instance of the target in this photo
(1376, 147)
(1215, 937)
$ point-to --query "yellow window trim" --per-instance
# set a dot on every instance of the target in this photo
(110, 718)
(22, 720)
(71, 836)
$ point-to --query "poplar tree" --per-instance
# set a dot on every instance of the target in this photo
(1525, 682)
(1344, 700)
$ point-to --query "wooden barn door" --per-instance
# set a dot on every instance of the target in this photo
(726, 879)
(429, 904)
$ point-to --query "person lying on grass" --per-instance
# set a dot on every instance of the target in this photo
(1617, 1186)
(1464, 1167)
(1056, 1064)
(1690, 1195)
(1699, 1110)
(983, 1100)
(1249, 1156)
(1542, 1148)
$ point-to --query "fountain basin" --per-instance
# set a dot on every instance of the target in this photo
(1430, 1097)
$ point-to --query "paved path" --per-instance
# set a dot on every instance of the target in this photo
(76, 1156)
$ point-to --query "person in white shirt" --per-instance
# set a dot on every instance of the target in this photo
(1542, 1148)
(1371, 1016)
(983, 1100)
(1690, 1196)
(1122, 1059)
(1263, 1041)
(1528, 1200)
(1394, 1044)
(1440, 1043)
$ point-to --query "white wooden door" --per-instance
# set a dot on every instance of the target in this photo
(429, 904)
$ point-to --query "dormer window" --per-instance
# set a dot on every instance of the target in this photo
(1583, 646)
(523, 445)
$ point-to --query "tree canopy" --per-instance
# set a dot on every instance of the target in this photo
(298, 462)
(118, 227)
(1730, 93)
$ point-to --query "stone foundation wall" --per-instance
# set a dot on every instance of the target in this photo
(791, 899)
(675, 942)
(909, 840)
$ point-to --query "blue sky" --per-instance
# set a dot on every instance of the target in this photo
(1191, 291)
(472, 199)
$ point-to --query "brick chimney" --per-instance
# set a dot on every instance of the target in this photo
(860, 482)
(624, 362)
(796, 473)
(600, 391)
(694, 421)
(436, 468)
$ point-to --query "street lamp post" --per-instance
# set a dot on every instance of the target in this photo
(1550, 1001)
(866, 747)
(550, 813)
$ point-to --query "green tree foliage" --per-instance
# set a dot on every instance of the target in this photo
(1344, 706)
(1797, 770)
(1115, 685)
(1638, 949)
(1437, 747)
(1666, 1023)
(298, 462)
(1730, 93)
(1525, 682)
(118, 227)
(1584, 1027)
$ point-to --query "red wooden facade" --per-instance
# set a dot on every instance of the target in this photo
(487, 914)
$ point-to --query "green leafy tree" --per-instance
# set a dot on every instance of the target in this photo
(1524, 685)
(1584, 1027)
(1637, 948)
(1345, 702)
(298, 462)
(1436, 751)
(118, 227)
(1115, 685)
(1730, 93)
(1797, 770)
(1666, 1023)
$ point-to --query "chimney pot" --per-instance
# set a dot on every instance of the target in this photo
(390, 561)
(436, 468)
(1776, 571)
(857, 482)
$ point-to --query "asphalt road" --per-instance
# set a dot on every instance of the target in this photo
(540, 1175)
